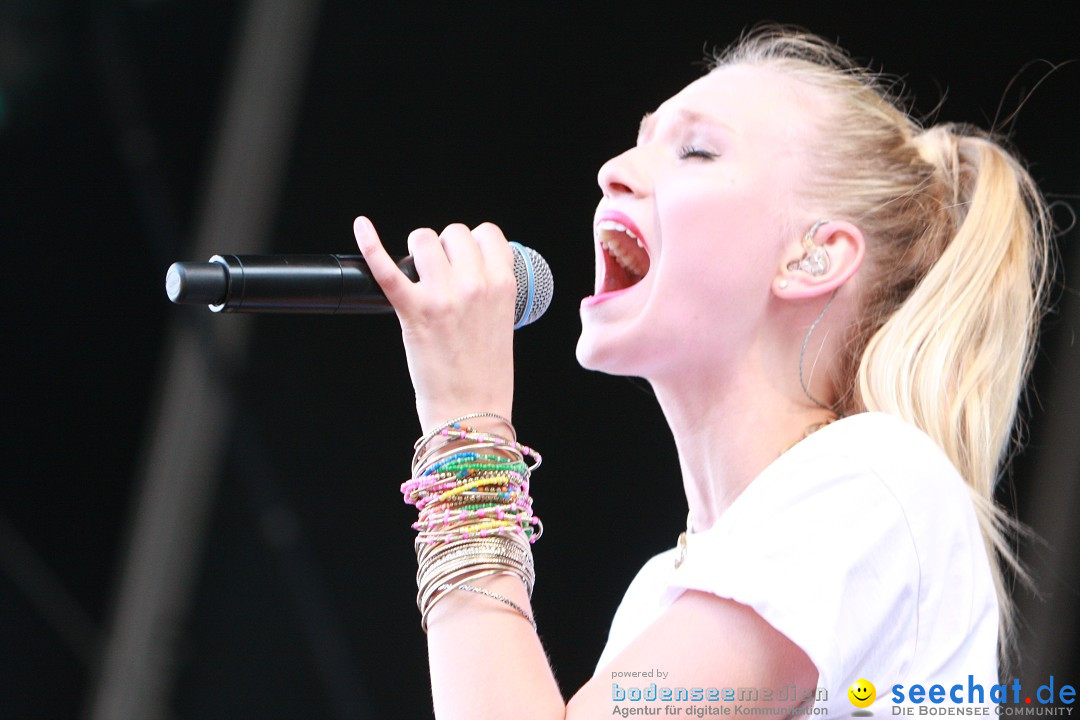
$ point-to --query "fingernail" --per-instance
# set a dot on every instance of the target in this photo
(362, 225)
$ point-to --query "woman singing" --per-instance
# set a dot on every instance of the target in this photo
(841, 378)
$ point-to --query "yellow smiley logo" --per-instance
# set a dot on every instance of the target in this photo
(862, 693)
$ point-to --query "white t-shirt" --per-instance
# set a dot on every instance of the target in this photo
(860, 544)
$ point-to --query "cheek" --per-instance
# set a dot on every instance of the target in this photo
(719, 243)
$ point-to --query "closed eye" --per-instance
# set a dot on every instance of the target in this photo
(689, 151)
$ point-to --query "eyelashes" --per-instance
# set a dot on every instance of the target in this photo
(689, 151)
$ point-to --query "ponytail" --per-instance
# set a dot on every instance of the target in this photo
(953, 357)
(952, 286)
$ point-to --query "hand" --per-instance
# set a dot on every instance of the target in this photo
(457, 321)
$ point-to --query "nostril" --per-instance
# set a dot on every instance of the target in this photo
(618, 176)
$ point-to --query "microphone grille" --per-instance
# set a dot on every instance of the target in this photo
(535, 286)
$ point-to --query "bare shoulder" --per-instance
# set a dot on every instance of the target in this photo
(701, 642)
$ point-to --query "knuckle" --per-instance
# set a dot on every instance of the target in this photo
(421, 235)
(507, 284)
(489, 230)
(472, 289)
(389, 282)
(487, 227)
(438, 307)
(455, 229)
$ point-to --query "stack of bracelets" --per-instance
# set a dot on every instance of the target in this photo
(472, 492)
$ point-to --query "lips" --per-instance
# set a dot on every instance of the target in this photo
(625, 256)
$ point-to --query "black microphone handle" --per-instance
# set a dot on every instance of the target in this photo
(326, 284)
(313, 284)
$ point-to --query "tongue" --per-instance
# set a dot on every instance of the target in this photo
(616, 277)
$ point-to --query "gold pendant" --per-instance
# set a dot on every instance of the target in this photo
(681, 556)
(682, 544)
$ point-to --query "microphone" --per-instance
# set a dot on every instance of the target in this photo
(325, 284)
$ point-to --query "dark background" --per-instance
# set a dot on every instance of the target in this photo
(301, 598)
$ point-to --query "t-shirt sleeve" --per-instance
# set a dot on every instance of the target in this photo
(823, 552)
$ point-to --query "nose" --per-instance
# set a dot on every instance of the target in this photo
(622, 175)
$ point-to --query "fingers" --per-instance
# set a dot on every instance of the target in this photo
(461, 248)
(457, 321)
(393, 282)
(480, 254)
(496, 251)
(480, 251)
(428, 256)
(458, 259)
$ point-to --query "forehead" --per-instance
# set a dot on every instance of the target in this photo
(753, 101)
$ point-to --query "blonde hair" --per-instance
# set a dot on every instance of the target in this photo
(956, 268)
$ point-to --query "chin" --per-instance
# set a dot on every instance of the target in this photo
(586, 352)
(598, 350)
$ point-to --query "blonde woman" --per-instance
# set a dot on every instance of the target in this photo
(835, 308)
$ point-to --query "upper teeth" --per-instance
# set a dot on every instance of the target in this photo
(636, 263)
(618, 226)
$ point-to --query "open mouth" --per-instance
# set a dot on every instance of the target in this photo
(626, 261)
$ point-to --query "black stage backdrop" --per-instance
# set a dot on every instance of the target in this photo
(296, 596)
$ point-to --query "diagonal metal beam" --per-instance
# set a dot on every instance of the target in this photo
(189, 432)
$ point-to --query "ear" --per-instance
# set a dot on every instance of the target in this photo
(846, 247)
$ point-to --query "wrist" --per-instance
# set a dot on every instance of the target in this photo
(485, 420)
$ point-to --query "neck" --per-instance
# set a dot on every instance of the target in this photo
(727, 433)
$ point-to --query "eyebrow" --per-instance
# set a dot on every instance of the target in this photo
(644, 126)
(688, 117)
